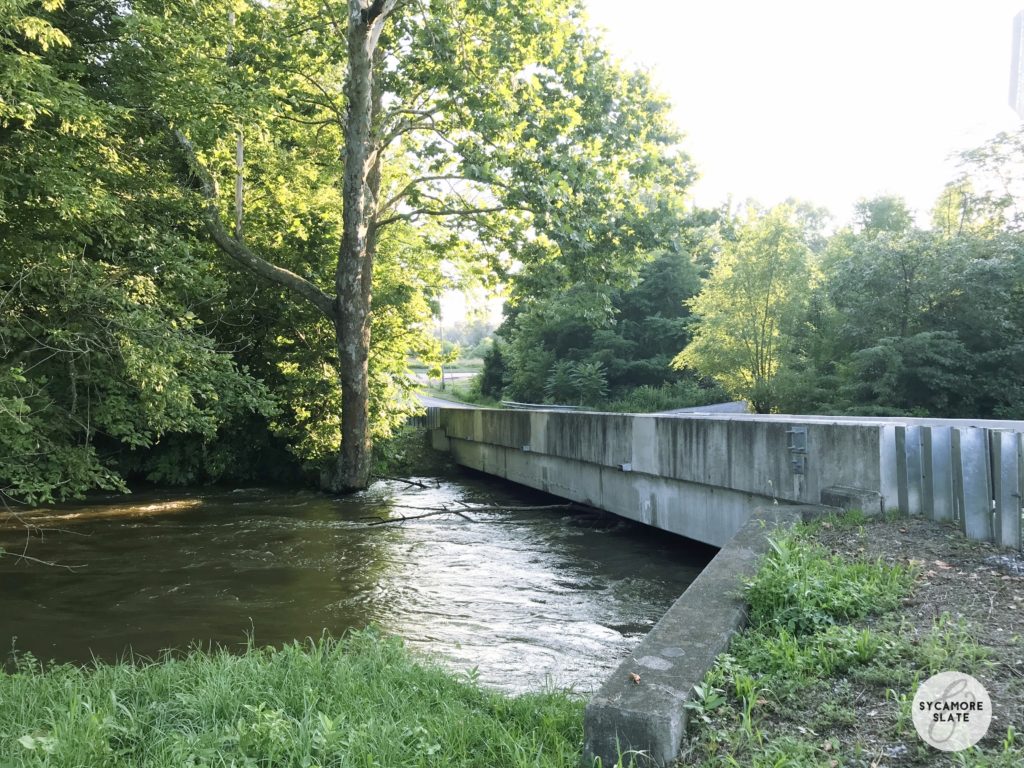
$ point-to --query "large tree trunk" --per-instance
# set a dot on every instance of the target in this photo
(349, 309)
(355, 258)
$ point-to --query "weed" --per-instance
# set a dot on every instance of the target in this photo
(705, 700)
(799, 587)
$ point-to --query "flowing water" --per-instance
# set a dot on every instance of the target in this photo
(526, 597)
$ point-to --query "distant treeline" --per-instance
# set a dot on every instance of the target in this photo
(883, 317)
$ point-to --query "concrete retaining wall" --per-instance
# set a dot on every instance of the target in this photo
(648, 718)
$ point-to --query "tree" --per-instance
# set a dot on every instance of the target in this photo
(103, 350)
(348, 308)
(909, 321)
(991, 184)
(491, 117)
(926, 322)
(883, 214)
(751, 305)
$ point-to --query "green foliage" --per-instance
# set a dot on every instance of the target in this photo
(362, 700)
(801, 686)
(680, 394)
(491, 380)
(560, 385)
(132, 346)
(913, 323)
(801, 589)
(751, 306)
(575, 383)
(106, 340)
(407, 452)
(883, 214)
(632, 332)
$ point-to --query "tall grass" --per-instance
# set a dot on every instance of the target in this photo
(361, 701)
(802, 589)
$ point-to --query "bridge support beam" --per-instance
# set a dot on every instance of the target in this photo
(696, 477)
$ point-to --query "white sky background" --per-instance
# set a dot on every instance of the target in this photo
(826, 101)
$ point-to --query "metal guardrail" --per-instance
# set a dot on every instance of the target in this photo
(970, 476)
(539, 406)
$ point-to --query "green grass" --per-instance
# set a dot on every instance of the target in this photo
(800, 588)
(362, 701)
(463, 391)
(825, 632)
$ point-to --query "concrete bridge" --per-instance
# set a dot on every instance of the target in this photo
(700, 475)
(729, 479)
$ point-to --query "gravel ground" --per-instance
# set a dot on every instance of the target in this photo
(979, 586)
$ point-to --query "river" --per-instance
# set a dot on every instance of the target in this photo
(527, 598)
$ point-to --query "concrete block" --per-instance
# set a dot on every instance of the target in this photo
(868, 502)
(941, 485)
(975, 482)
(439, 440)
(1007, 472)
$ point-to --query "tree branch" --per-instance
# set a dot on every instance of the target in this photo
(238, 251)
(398, 196)
(379, 225)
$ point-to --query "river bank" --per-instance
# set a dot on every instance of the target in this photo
(509, 581)
(848, 617)
(361, 701)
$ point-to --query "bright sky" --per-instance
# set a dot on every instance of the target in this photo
(823, 100)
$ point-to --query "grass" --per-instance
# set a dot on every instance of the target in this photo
(360, 701)
(800, 588)
(825, 674)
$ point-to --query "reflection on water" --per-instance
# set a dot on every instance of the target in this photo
(525, 596)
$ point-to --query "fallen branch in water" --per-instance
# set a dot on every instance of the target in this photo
(435, 511)
(30, 559)
(31, 529)
(417, 483)
(489, 507)
(403, 518)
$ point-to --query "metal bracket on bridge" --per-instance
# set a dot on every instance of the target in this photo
(796, 443)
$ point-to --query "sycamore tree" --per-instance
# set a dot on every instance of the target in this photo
(751, 305)
(340, 154)
(478, 128)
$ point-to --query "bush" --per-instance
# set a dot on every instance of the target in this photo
(492, 376)
(680, 394)
(577, 383)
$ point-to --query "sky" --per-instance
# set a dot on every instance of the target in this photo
(827, 101)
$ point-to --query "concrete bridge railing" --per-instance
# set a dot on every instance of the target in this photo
(699, 475)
